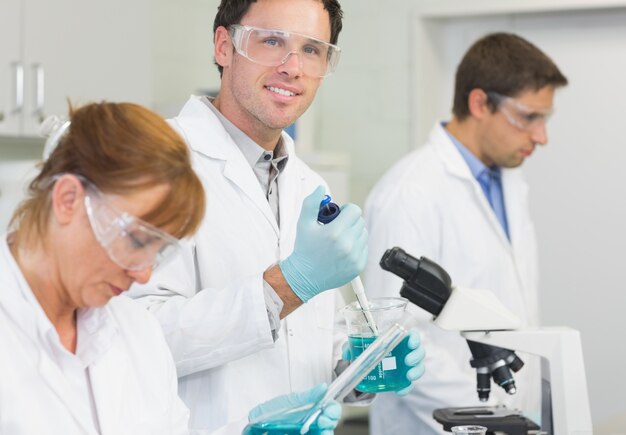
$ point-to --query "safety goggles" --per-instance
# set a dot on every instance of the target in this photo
(517, 114)
(272, 47)
(129, 241)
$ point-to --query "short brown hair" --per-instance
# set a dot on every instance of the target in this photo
(506, 64)
(120, 148)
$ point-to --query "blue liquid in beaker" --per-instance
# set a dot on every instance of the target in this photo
(388, 375)
(278, 429)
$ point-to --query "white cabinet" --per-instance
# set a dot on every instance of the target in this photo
(10, 64)
(81, 50)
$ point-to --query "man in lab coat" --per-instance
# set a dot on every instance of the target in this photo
(260, 253)
(461, 201)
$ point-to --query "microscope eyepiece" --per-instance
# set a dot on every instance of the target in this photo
(398, 262)
(426, 284)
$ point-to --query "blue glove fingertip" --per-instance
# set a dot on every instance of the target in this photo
(405, 391)
(311, 205)
(324, 422)
(414, 339)
(346, 352)
(333, 410)
(350, 213)
(415, 373)
(317, 196)
(329, 418)
(413, 358)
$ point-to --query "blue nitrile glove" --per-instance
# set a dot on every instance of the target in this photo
(326, 421)
(325, 256)
(415, 360)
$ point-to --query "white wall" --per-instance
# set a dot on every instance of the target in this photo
(578, 196)
(369, 109)
(364, 108)
(182, 53)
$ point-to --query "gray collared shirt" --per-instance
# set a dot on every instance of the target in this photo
(267, 166)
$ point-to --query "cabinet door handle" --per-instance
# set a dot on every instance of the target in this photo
(19, 88)
(39, 91)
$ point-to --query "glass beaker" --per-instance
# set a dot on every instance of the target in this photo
(390, 373)
(469, 430)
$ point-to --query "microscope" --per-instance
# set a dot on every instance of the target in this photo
(493, 334)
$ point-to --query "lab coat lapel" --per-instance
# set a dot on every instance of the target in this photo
(515, 193)
(290, 185)
(54, 378)
(206, 135)
(241, 174)
(109, 377)
(456, 165)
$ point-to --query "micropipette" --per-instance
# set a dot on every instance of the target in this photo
(328, 212)
(359, 292)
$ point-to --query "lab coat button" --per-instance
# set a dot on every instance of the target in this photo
(290, 332)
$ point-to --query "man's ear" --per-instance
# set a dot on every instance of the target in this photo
(477, 103)
(67, 197)
(223, 47)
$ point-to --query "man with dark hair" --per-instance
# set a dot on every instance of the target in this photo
(461, 201)
(249, 309)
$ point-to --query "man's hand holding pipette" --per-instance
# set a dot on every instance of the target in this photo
(325, 256)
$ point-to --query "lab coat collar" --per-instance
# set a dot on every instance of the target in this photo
(16, 298)
(513, 185)
(96, 333)
(449, 154)
(290, 185)
(206, 135)
(198, 125)
(96, 326)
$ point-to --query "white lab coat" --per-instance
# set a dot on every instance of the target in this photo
(133, 379)
(430, 205)
(210, 299)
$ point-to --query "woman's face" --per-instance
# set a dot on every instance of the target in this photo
(88, 274)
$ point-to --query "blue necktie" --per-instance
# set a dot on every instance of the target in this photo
(490, 181)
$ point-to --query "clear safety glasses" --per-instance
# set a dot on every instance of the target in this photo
(519, 115)
(130, 242)
(272, 47)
